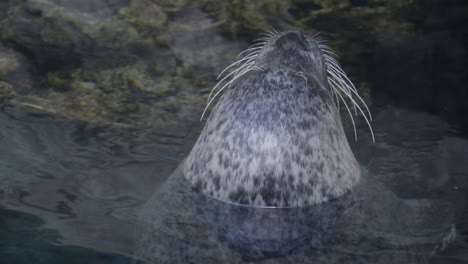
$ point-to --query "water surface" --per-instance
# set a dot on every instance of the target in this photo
(71, 192)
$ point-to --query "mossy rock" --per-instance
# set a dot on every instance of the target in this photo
(170, 6)
(198, 39)
(124, 95)
(8, 62)
(40, 25)
(144, 14)
(6, 92)
(238, 17)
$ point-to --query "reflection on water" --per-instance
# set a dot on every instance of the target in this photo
(24, 240)
(86, 184)
(369, 225)
(68, 192)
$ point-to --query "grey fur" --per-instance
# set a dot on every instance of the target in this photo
(275, 137)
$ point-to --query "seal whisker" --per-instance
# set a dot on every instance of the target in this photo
(239, 74)
(210, 101)
(228, 84)
(362, 101)
(258, 68)
(317, 38)
(223, 79)
(334, 91)
(249, 62)
(339, 81)
(336, 66)
(262, 39)
(342, 78)
(272, 32)
(336, 98)
(246, 58)
(342, 85)
(341, 75)
(320, 40)
(324, 47)
(346, 91)
(349, 112)
(314, 36)
(233, 73)
(357, 105)
(255, 45)
(268, 34)
(301, 74)
(329, 52)
(254, 49)
(349, 86)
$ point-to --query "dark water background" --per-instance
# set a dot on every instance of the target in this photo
(100, 102)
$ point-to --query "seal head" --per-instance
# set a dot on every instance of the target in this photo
(275, 138)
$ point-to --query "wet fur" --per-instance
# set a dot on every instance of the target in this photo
(275, 138)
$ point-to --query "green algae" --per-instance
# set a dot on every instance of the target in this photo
(242, 16)
(127, 96)
(6, 92)
(145, 16)
(175, 84)
(8, 62)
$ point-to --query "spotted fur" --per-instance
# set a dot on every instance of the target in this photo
(275, 137)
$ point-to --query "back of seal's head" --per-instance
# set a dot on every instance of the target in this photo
(275, 137)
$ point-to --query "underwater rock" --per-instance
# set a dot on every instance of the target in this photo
(6, 92)
(144, 14)
(200, 37)
(8, 62)
(56, 33)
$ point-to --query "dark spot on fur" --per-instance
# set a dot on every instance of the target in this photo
(323, 190)
(269, 190)
(308, 150)
(220, 159)
(216, 182)
(198, 185)
(320, 167)
(220, 123)
(256, 181)
(312, 181)
(339, 175)
(287, 164)
(304, 124)
(240, 196)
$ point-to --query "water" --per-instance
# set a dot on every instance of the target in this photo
(100, 102)
(73, 193)
(68, 189)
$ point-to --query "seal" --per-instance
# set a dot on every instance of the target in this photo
(275, 138)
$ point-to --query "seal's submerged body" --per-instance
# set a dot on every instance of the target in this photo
(275, 138)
